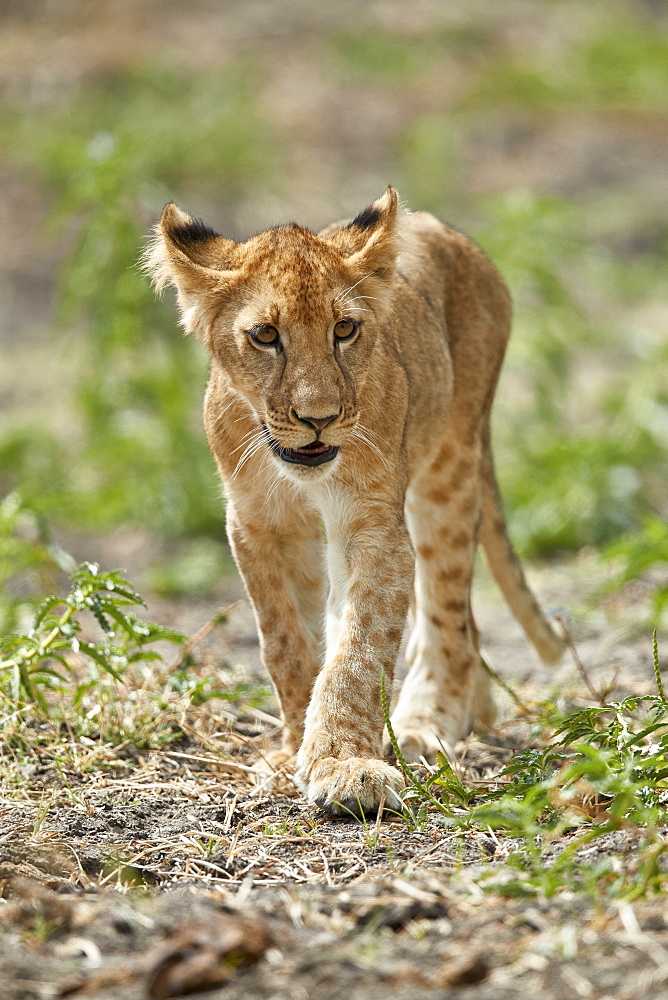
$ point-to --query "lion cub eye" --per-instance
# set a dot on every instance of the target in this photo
(345, 329)
(264, 335)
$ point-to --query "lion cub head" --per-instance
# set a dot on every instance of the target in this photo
(290, 318)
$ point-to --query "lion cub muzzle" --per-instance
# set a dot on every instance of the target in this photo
(313, 453)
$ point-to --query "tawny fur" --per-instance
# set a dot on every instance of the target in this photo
(404, 502)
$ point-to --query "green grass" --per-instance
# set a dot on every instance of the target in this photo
(29, 562)
(642, 551)
(620, 67)
(594, 772)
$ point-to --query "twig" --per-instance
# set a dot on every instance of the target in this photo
(226, 765)
(505, 687)
(568, 639)
(201, 634)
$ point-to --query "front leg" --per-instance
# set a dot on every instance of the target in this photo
(340, 765)
(281, 560)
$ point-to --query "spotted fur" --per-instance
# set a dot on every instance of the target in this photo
(405, 499)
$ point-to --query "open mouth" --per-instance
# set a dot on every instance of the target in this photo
(315, 453)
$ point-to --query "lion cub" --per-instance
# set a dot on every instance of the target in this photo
(352, 376)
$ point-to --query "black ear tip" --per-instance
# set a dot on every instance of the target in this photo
(191, 232)
(368, 218)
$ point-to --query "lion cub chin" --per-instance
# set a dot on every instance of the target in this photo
(352, 376)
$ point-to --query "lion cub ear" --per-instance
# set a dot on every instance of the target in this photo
(369, 241)
(186, 253)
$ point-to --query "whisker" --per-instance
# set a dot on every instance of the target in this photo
(344, 305)
(236, 400)
(242, 461)
(356, 297)
(346, 291)
(250, 434)
(363, 278)
(224, 411)
(277, 482)
(251, 448)
(359, 433)
(219, 416)
(373, 380)
(371, 433)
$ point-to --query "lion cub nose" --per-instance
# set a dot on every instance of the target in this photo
(317, 423)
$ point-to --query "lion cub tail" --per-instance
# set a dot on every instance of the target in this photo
(508, 573)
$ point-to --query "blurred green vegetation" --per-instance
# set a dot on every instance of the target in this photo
(30, 563)
(109, 160)
(624, 64)
(582, 457)
(582, 415)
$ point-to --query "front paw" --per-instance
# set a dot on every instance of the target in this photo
(355, 786)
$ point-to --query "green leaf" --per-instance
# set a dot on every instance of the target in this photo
(101, 658)
(44, 608)
(94, 604)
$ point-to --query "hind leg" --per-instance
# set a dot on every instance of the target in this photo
(446, 687)
(483, 708)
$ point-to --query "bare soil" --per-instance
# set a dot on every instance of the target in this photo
(416, 934)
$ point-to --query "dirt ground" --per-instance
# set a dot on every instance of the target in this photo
(415, 933)
(160, 873)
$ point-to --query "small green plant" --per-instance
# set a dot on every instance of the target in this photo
(43, 658)
(603, 769)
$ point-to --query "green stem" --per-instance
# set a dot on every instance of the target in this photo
(657, 668)
(50, 639)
